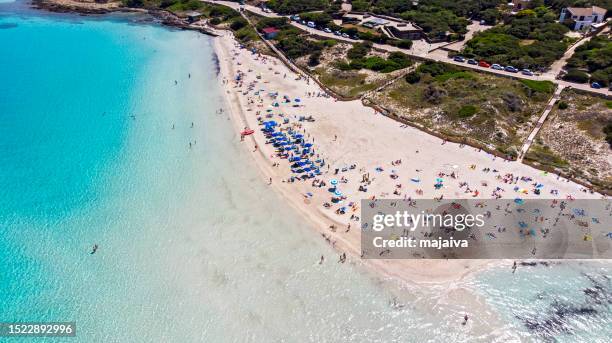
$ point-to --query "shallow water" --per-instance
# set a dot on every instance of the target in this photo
(193, 246)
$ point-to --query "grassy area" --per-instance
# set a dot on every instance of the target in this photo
(493, 111)
(574, 138)
(539, 86)
(354, 69)
(543, 155)
(346, 83)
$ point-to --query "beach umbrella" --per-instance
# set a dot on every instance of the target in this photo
(308, 145)
(333, 182)
(297, 100)
(338, 193)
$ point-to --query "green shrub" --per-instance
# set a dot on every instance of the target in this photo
(413, 77)
(223, 11)
(359, 50)
(454, 75)
(238, 23)
(343, 66)
(313, 60)
(539, 86)
(601, 76)
(297, 46)
(296, 6)
(404, 44)
(279, 23)
(319, 18)
(435, 68)
(215, 21)
(563, 105)
(576, 75)
(467, 111)
(246, 34)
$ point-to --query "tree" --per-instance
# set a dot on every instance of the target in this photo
(404, 44)
(576, 75)
(490, 16)
(238, 23)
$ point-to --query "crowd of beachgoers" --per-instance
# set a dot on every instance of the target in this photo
(328, 155)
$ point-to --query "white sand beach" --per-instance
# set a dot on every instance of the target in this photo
(398, 161)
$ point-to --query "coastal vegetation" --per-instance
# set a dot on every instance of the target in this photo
(296, 6)
(436, 17)
(358, 58)
(595, 58)
(576, 139)
(530, 39)
(492, 111)
(334, 70)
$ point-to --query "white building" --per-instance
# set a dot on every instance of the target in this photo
(582, 18)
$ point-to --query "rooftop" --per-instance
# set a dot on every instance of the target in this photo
(586, 11)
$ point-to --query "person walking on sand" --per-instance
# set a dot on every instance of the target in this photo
(465, 319)
(270, 181)
(514, 267)
(322, 259)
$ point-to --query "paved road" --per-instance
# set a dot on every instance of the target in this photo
(436, 55)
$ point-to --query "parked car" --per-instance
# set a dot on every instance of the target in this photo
(511, 69)
(303, 22)
(328, 30)
(338, 33)
(459, 59)
(472, 61)
(497, 67)
(354, 37)
(595, 85)
(344, 35)
(527, 72)
(484, 64)
(311, 24)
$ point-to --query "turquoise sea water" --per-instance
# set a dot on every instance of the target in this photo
(193, 248)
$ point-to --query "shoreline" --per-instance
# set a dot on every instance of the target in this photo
(242, 103)
(436, 271)
(324, 222)
(165, 18)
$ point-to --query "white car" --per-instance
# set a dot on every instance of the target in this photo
(327, 30)
(311, 24)
(344, 35)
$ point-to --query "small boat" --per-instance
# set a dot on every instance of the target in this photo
(247, 132)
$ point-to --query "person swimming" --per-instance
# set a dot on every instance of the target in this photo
(94, 249)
